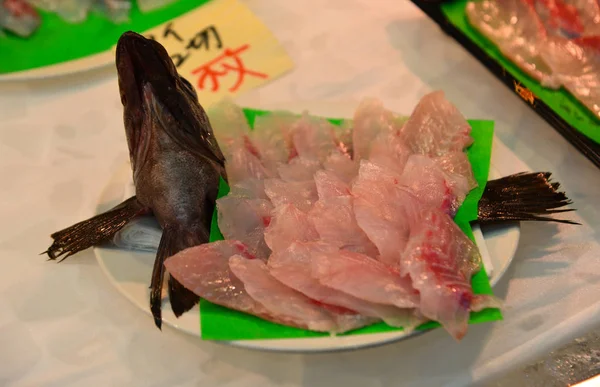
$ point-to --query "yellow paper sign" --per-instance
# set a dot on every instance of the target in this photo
(223, 49)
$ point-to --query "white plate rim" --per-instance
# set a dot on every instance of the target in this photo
(115, 189)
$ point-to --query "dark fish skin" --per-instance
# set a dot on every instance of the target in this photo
(176, 162)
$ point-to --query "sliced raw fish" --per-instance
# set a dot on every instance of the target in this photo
(515, 28)
(384, 210)
(289, 225)
(299, 169)
(366, 278)
(18, 17)
(333, 218)
(301, 194)
(342, 166)
(371, 119)
(229, 124)
(211, 272)
(242, 164)
(389, 150)
(289, 306)
(436, 127)
(245, 220)
(272, 136)
(440, 260)
(293, 267)
(250, 188)
(204, 270)
(576, 65)
(329, 185)
(428, 182)
(457, 163)
(313, 137)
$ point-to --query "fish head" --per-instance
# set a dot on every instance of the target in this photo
(156, 98)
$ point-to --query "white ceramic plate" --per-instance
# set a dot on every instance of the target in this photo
(87, 63)
(130, 271)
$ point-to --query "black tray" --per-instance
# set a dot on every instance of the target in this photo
(587, 146)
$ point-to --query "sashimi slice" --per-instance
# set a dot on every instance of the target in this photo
(289, 225)
(329, 185)
(313, 137)
(389, 150)
(436, 127)
(365, 278)
(242, 164)
(293, 267)
(287, 305)
(434, 188)
(457, 163)
(384, 210)
(299, 169)
(204, 270)
(576, 65)
(515, 28)
(440, 260)
(250, 188)
(333, 218)
(272, 136)
(229, 124)
(301, 194)
(245, 220)
(342, 166)
(371, 119)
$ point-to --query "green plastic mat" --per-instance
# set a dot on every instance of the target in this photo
(219, 323)
(560, 101)
(57, 41)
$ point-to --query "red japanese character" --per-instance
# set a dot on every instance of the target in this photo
(207, 71)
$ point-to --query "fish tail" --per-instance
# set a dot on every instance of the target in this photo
(172, 241)
(523, 197)
(93, 231)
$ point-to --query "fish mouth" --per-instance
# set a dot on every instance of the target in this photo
(142, 62)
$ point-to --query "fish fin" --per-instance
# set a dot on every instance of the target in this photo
(172, 241)
(93, 231)
(181, 298)
(523, 197)
(194, 134)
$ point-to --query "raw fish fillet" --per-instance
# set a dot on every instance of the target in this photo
(242, 163)
(334, 220)
(293, 267)
(576, 65)
(457, 166)
(117, 10)
(515, 28)
(250, 188)
(329, 185)
(384, 210)
(272, 136)
(245, 220)
(301, 194)
(18, 17)
(427, 181)
(289, 225)
(299, 169)
(366, 278)
(313, 138)
(229, 125)
(388, 149)
(371, 119)
(290, 306)
(440, 260)
(436, 127)
(72, 11)
(151, 5)
(211, 272)
(342, 166)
